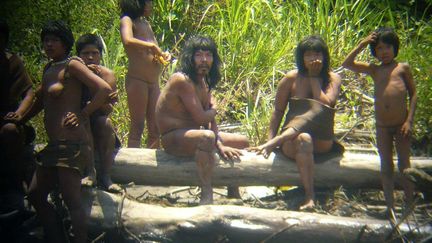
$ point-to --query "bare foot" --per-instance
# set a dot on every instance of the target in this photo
(308, 205)
(88, 181)
(106, 184)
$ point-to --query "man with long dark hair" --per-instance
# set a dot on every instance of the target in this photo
(185, 113)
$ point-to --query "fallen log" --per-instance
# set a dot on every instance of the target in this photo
(222, 223)
(155, 167)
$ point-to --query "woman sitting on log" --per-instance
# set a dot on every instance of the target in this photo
(311, 92)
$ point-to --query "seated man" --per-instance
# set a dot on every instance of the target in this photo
(89, 47)
(311, 92)
(15, 100)
(185, 114)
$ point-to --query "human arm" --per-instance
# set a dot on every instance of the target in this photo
(23, 108)
(35, 107)
(406, 128)
(129, 41)
(330, 95)
(355, 66)
(281, 101)
(97, 85)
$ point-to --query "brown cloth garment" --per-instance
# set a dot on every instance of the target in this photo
(315, 118)
(310, 116)
(68, 154)
(14, 82)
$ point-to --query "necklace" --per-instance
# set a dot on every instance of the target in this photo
(59, 62)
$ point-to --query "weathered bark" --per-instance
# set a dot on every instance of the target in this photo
(113, 213)
(155, 167)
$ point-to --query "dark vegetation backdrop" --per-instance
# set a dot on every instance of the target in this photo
(256, 40)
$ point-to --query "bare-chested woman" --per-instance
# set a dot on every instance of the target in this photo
(142, 79)
(311, 91)
(185, 114)
(67, 127)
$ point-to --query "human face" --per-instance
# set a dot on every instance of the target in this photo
(148, 5)
(54, 47)
(313, 61)
(384, 52)
(203, 61)
(90, 54)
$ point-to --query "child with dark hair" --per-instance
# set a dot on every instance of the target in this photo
(393, 81)
(69, 149)
(89, 47)
(310, 93)
(142, 80)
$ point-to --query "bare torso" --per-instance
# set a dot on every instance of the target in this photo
(141, 64)
(61, 96)
(390, 95)
(171, 113)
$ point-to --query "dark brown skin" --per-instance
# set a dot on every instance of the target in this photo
(393, 81)
(142, 80)
(182, 109)
(64, 119)
(296, 145)
(101, 125)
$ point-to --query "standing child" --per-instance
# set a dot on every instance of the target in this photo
(394, 118)
(142, 79)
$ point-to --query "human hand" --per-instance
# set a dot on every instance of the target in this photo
(73, 120)
(369, 39)
(264, 149)
(314, 67)
(230, 154)
(113, 97)
(12, 117)
(96, 69)
(406, 129)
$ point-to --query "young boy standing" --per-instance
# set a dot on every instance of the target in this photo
(394, 117)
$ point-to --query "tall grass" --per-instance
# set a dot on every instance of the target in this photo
(256, 40)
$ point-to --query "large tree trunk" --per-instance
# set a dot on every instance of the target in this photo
(155, 167)
(113, 213)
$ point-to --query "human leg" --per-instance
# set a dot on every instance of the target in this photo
(70, 187)
(137, 97)
(153, 132)
(104, 140)
(201, 144)
(12, 148)
(43, 182)
(235, 141)
(385, 148)
(301, 149)
(403, 146)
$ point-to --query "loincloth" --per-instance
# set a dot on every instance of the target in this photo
(310, 116)
(67, 154)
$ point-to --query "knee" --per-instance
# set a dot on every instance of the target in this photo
(9, 130)
(207, 141)
(303, 143)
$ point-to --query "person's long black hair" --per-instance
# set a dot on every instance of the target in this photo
(186, 61)
(314, 43)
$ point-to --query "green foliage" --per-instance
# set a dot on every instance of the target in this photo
(256, 40)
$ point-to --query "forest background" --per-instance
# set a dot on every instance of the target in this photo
(256, 40)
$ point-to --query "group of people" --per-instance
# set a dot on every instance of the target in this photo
(77, 95)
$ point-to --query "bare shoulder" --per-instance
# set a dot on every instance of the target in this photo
(405, 66)
(125, 20)
(106, 71)
(179, 78)
(76, 64)
(289, 78)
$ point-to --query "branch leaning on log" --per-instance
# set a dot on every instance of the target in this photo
(155, 167)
